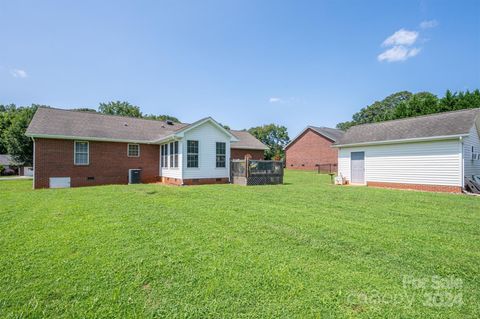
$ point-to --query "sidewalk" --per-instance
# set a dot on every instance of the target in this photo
(13, 178)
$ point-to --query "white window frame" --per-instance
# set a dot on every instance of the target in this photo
(218, 154)
(128, 150)
(75, 153)
(173, 154)
(194, 154)
(164, 156)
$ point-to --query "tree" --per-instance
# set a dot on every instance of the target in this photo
(405, 104)
(19, 146)
(421, 103)
(85, 109)
(124, 108)
(345, 125)
(378, 111)
(274, 136)
(6, 112)
(120, 108)
(161, 118)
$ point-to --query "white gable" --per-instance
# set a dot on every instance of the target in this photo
(207, 135)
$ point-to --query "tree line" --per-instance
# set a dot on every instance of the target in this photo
(15, 120)
(406, 104)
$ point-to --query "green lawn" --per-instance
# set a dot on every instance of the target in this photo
(303, 249)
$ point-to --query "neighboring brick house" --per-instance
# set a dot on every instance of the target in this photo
(74, 148)
(312, 149)
(247, 147)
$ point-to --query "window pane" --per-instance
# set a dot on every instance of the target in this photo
(220, 161)
(81, 147)
(192, 146)
(81, 158)
(81, 153)
(133, 150)
(192, 160)
(221, 148)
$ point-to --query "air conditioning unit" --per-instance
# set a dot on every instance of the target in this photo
(134, 176)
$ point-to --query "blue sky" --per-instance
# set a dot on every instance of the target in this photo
(245, 63)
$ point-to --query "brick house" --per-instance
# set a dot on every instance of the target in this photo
(74, 148)
(312, 149)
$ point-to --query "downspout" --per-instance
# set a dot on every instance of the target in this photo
(462, 163)
(33, 163)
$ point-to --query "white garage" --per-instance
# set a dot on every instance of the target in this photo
(433, 152)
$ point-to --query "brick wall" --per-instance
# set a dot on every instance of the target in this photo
(241, 153)
(420, 187)
(310, 149)
(109, 163)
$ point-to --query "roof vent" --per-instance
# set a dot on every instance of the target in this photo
(125, 124)
(169, 122)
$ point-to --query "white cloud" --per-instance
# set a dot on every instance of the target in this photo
(401, 37)
(16, 73)
(398, 53)
(428, 24)
(275, 100)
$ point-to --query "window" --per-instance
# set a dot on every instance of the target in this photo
(174, 154)
(81, 153)
(192, 153)
(221, 154)
(133, 150)
(164, 155)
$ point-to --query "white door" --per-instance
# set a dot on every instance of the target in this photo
(357, 160)
(59, 182)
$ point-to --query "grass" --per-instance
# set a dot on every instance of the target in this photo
(303, 249)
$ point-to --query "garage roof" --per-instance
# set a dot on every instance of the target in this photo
(439, 125)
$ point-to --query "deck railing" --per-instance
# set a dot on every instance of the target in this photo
(256, 172)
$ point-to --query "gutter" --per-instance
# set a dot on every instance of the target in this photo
(402, 141)
(87, 138)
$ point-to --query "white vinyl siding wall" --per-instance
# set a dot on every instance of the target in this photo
(472, 167)
(207, 136)
(172, 172)
(430, 163)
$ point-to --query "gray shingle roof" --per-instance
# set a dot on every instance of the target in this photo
(331, 133)
(427, 126)
(247, 141)
(58, 122)
(50, 122)
(7, 160)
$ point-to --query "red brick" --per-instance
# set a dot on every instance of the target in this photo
(420, 187)
(109, 163)
(310, 149)
(241, 153)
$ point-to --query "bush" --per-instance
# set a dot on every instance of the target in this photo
(8, 171)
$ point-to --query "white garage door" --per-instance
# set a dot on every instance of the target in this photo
(59, 182)
(27, 171)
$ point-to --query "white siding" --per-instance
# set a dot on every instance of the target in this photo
(172, 172)
(207, 135)
(472, 167)
(431, 163)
